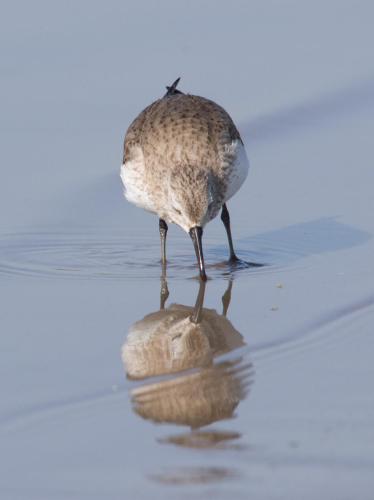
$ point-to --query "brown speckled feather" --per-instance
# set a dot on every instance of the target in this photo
(197, 125)
(180, 159)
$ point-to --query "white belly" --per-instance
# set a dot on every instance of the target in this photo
(136, 189)
(133, 179)
(240, 169)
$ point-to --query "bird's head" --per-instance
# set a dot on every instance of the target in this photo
(194, 198)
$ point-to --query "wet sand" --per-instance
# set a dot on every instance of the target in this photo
(108, 389)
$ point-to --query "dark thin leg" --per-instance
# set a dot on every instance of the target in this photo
(163, 231)
(225, 217)
(198, 309)
(196, 234)
(226, 299)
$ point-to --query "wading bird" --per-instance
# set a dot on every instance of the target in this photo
(183, 159)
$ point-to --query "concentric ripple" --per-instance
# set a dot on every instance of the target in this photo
(117, 255)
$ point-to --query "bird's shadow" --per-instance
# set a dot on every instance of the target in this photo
(233, 266)
(325, 108)
(282, 247)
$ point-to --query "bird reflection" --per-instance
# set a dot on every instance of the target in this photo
(187, 339)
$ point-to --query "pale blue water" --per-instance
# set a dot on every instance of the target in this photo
(279, 394)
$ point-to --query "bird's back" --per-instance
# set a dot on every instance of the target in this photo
(182, 130)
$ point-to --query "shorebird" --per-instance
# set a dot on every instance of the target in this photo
(183, 159)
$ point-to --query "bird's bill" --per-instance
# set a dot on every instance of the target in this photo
(196, 234)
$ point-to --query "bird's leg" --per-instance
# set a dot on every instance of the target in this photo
(225, 217)
(226, 299)
(196, 234)
(163, 231)
(198, 309)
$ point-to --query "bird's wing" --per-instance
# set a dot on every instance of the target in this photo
(133, 138)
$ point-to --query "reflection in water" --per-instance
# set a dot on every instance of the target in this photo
(180, 338)
(204, 439)
(195, 475)
(195, 400)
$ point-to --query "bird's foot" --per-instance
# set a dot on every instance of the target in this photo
(237, 263)
(233, 259)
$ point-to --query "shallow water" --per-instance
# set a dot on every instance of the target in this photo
(108, 389)
(279, 388)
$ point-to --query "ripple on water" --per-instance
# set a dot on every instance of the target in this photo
(116, 255)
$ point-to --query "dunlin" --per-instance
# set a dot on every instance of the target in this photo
(183, 159)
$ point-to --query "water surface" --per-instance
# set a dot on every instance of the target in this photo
(108, 389)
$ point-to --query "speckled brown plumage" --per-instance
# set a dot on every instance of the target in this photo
(198, 125)
(182, 147)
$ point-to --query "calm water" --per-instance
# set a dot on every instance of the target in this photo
(108, 389)
(111, 389)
